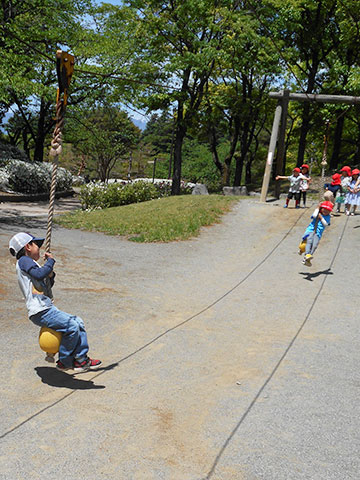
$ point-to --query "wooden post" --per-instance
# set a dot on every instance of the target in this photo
(281, 142)
(270, 156)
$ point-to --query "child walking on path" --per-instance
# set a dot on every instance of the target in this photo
(345, 181)
(320, 219)
(352, 198)
(334, 188)
(32, 280)
(294, 190)
(304, 184)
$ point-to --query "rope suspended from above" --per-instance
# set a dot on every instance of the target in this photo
(324, 157)
(65, 67)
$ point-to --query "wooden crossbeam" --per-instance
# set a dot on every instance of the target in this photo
(313, 97)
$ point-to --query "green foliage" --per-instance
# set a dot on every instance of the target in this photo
(30, 34)
(101, 195)
(159, 133)
(198, 166)
(104, 135)
(9, 152)
(211, 63)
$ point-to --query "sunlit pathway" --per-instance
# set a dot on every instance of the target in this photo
(224, 357)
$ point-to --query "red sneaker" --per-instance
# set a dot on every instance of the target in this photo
(85, 365)
(60, 366)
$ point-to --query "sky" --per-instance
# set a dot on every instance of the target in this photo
(112, 2)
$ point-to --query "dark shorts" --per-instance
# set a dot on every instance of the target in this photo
(296, 195)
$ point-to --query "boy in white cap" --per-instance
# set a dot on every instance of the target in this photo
(34, 283)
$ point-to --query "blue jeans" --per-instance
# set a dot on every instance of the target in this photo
(74, 344)
(312, 243)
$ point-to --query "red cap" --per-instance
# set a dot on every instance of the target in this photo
(305, 165)
(336, 179)
(296, 169)
(327, 205)
(346, 169)
(356, 171)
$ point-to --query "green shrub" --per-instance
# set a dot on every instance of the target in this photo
(101, 195)
(32, 178)
(9, 152)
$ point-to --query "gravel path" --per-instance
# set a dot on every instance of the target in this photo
(223, 356)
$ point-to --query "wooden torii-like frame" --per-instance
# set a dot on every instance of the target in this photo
(279, 124)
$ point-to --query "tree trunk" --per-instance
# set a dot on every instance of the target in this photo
(26, 142)
(180, 133)
(247, 135)
(248, 171)
(356, 146)
(179, 140)
(334, 161)
(102, 169)
(229, 156)
(213, 150)
(239, 164)
(305, 126)
(41, 132)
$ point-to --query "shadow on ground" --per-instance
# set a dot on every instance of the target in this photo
(13, 220)
(310, 276)
(55, 378)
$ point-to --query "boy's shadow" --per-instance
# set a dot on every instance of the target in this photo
(55, 378)
(310, 276)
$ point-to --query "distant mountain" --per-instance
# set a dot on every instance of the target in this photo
(139, 123)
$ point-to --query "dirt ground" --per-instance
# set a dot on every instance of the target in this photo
(223, 356)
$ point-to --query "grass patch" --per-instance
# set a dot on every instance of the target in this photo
(163, 220)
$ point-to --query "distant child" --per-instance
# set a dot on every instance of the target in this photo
(304, 184)
(32, 280)
(320, 219)
(352, 198)
(345, 181)
(294, 190)
(334, 188)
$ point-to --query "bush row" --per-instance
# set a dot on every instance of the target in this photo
(25, 177)
(102, 195)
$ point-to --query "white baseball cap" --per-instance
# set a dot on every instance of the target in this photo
(18, 241)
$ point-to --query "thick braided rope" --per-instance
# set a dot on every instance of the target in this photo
(55, 151)
(323, 165)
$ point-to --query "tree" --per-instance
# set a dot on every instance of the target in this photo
(104, 135)
(306, 32)
(177, 44)
(159, 132)
(341, 65)
(30, 34)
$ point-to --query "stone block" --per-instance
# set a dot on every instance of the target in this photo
(242, 190)
(200, 189)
